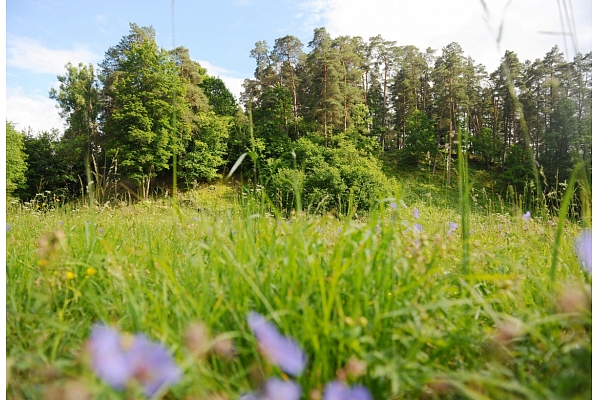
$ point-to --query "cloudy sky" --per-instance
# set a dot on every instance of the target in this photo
(43, 35)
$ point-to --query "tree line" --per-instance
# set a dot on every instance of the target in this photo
(321, 119)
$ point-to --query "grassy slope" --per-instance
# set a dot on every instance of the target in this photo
(376, 289)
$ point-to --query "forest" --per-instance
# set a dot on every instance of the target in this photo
(149, 119)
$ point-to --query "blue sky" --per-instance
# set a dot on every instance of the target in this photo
(42, 35)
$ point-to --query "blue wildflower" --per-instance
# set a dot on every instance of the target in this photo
(393, 205)
(583, 248)
(452, 227)
(117, 359)
(109, 358)
(336, 390)
(419, 227)
(278, 349)
(527, 216)
(275, 389)
(416, 213)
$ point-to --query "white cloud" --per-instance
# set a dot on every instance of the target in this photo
(435, 24)
(29, 54)
(233, 84)
(35, 111)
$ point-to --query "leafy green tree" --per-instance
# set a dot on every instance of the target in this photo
(517, 173)
(486, 146)
(420, 138)
(78, 98)
(143, 92)
(49, 167)
(16, 165)
(359, 134)
(205, 152)
(270, 121)
(219, 97)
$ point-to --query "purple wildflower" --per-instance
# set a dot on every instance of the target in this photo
(7, 227)
(416, 213)
(278, 349)
(583, 248)
(152, 364)
(275, 389)
(116, 360)
(452, 227)
(393, 205)
(527, 216)
(419, 227)
(109, 358)
(336, 390)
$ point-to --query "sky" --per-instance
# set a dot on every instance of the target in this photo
(43, 35)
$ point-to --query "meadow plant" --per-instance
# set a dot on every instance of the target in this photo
(119, 359)
(276, 389)
(280, 350)
(583, 248)
(336, 390)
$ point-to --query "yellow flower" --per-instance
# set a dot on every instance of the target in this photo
(91, 271)
(42, 263)
(70, 275)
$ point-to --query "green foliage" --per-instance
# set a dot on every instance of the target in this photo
(335, 177)
(50, 166)
(484, 146)
(219, 97)
(144, 93)
(78, 98)
(359, 134)
(272, 121)
(16, 159)
(420, 138)
(284, 186)
(518, 172)
(205, 152)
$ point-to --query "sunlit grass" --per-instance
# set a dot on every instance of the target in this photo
(375, 289)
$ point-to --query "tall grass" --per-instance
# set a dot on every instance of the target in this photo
(376, 289)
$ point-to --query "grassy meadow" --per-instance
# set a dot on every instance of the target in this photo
(394, 300)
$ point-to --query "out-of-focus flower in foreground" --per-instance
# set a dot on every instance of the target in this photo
(278, 349)
(527, 216)
(117, 359)
(336, 390)
(276, 389)
(583, 248)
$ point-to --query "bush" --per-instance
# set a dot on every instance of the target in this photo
(330, 178)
